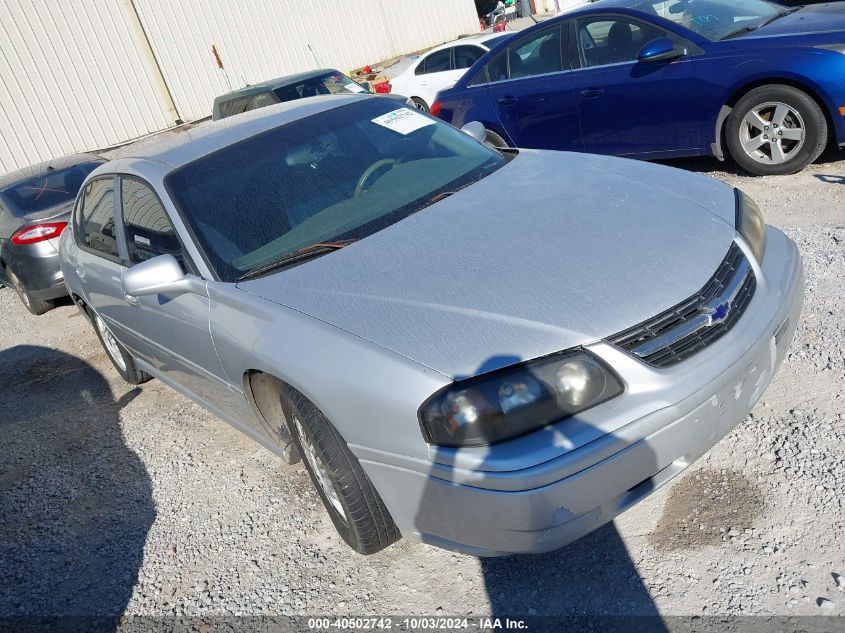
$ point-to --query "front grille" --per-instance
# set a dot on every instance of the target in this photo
(681, 331)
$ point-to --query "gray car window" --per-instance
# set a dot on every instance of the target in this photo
(342, 174)
(47, 190)
(149, 232)
(96, 220)
(234, 106)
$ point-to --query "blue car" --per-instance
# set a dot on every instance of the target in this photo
(667, 78)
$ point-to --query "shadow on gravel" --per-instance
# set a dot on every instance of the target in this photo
(708, 164)
(593, 578)
(75, 502)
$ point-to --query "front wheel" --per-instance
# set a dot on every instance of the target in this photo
(776, 130)
(118, 355)
(354, 506)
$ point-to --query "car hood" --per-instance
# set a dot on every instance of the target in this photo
(811, 19)
(552, 251)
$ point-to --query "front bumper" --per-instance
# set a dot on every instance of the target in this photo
(543, 507)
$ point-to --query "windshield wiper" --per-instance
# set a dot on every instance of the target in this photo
(749, 29)
(301, 254)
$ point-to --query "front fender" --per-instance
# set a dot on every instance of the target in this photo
(369, 393)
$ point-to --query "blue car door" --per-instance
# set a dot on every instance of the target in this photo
(530, 90)
(630, 107)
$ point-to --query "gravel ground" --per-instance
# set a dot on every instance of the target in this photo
(118, 499)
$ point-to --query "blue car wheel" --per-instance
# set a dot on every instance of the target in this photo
(776, 130)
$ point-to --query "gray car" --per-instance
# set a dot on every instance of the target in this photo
(326, 81)
(35, 204)
(488, 351)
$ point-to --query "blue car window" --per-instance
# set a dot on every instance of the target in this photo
(714, 19)
(604, 40)
(539, 54)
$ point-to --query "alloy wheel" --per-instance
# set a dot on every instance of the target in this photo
(111, 344)
(320, 473)
(772, 133)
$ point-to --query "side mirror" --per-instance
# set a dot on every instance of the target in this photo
(159, 275)
(476, 130)
(661, 49)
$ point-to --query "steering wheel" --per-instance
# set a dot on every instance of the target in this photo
(359, 188)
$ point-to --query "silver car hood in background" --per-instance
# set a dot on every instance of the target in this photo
(552, 251)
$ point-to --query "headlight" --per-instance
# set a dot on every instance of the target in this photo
(750, 224)
(516, 400)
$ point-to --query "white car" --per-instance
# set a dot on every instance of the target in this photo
(441, 67)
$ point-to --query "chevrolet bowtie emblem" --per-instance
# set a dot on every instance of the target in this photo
(717, 314)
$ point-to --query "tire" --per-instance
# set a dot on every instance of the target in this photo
(494, 140)
(354, 506)
(757, 126)
(35, 306)
(421, 104)
(118, 355)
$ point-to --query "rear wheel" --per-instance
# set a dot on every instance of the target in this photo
(118, 355)
(35, 306)
(354, 506)
(776, 130)
(420, 104)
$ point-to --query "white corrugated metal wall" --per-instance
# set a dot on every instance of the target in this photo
(72, 78)
(262, 39)
(78, 75)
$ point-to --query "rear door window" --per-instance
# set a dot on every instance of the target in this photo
(149, 232)
(95, 218)
(437, 62)
(234, 106)
(466, 56)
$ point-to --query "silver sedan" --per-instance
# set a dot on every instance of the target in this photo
(490, 351)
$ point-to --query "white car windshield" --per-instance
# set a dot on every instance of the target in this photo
(321, 181)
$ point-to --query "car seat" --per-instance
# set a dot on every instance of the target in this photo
(620, 41)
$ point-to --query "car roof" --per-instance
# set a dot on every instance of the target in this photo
(473, 39)
(189, 145)
(272, 84)
(39, 169)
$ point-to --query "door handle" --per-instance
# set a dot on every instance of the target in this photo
(592, 93)
(131, 299)
(506, 101)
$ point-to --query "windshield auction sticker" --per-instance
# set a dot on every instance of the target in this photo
(403, 121)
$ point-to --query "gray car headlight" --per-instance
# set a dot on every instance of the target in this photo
(517, 400)
(750, 224)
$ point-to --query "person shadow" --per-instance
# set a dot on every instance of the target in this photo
(591, 583)
(76, 502)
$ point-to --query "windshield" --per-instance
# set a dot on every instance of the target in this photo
(329, 84)
(48, 190)
(715, 19)
(339, 175)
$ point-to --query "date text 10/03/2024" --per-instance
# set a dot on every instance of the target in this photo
(416, 624)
